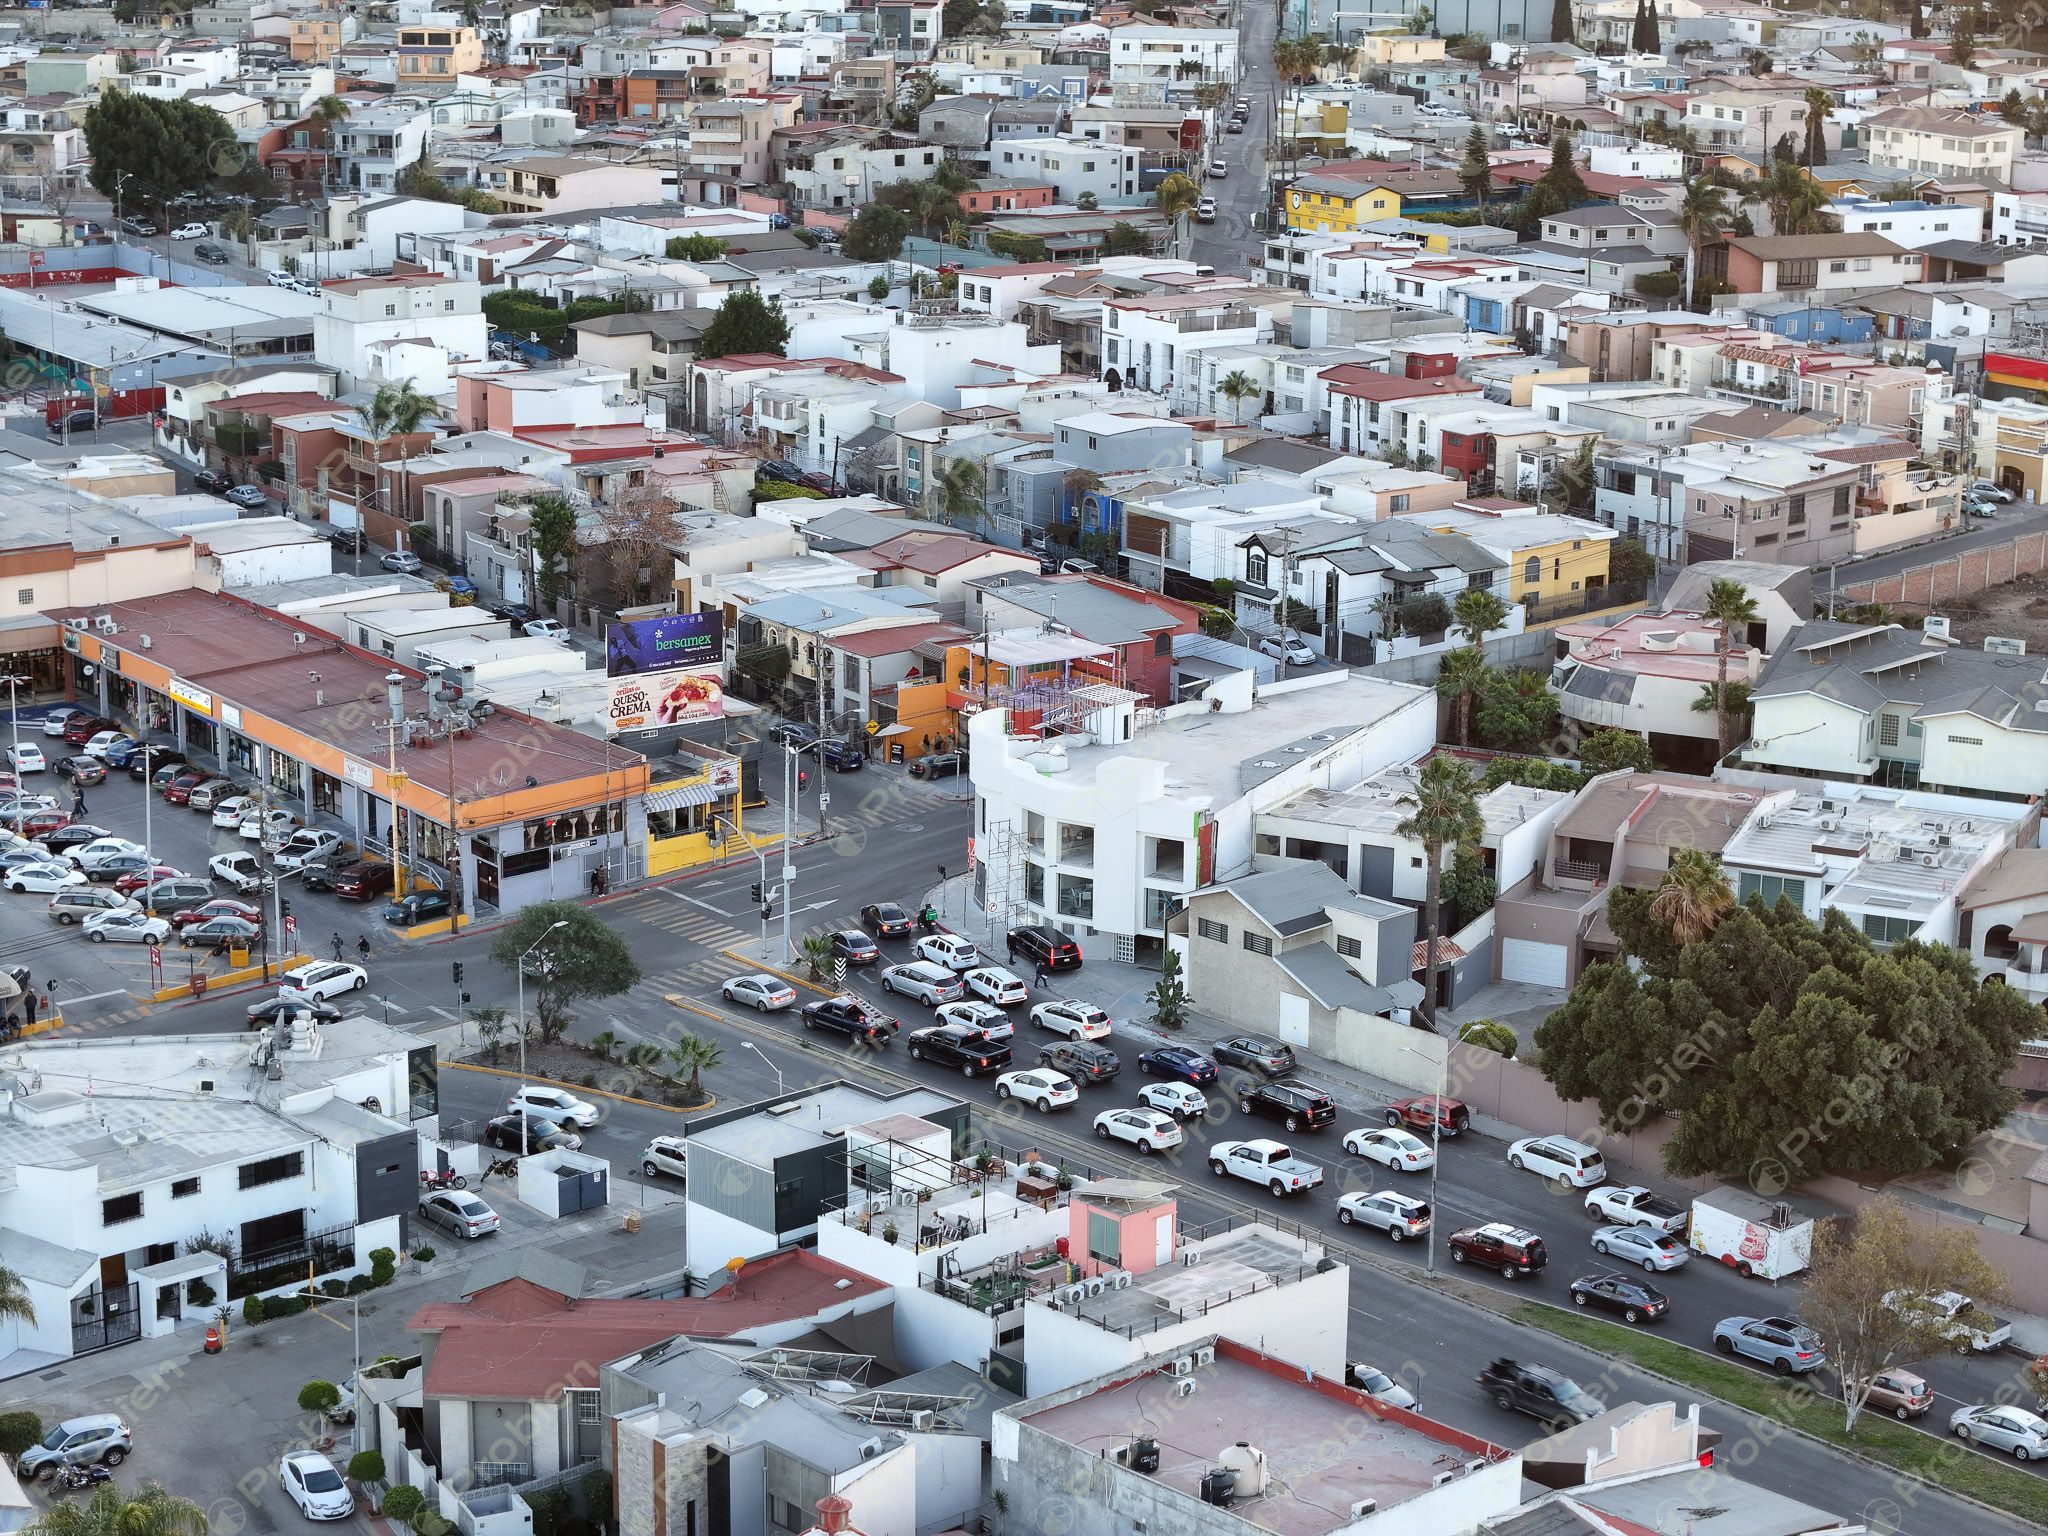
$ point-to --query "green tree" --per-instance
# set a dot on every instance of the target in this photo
(1730, 606)
(1478, 612)
(877, 233)
(150, 1510)
(878, 288)
(963, 492)
(1693, 896)
(396, 410)
(1169, 994)
(14, 1303)
(1087, 202)
(1516, 711)
(551, 533)
(1820, 106)
(1443, 814)
(1237, 386)
(1461, 678)
(1016, 247)
(404, 1503)
(1125, 239)
(1702, 216)
(578, 956)
(695, 248)
(1468, 885)
(1962, 46)
(1490, 1035)
(319, 1396)
(1607, 749)
(1797, 203)
(1475, 171)
(745, 324)
(1630, 566)
(1176, 197)
(1572, 485)
(145, 150)
(367, 1468)
(692, 1056)
(1561, 29)
(1642, 36)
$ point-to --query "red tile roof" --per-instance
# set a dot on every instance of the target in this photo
(1370, 384)
(901, 637)
(921, 549)
(520, 1341)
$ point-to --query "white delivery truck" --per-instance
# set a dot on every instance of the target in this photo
(1750, 1235)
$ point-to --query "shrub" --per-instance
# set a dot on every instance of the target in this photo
(366, 1467)
(783, 490)
(357, 1284)
(383, 1265)
(334, 1287)
(252, 1310)
(1491, 1035)
(318, 1396)
(552, 1510)
(423, 1255)
(283, 1306)
(404, 1502)
(18, 1431)
(199, 1293)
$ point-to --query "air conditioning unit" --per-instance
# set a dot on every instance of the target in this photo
(78, 623)
(1097, 1286)
(144, 641)
(1182, 1365)
(1075, 1294)
(1184, 1389)
(923, 1419)
(1206, 1355)
(1121, 1281)
(1929, 860)
(1362, 1507)
(1192, 1257)
(104, 623)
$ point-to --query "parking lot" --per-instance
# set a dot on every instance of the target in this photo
(93, 980)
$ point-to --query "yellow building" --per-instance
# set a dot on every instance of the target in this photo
(316, 39)
(1385, 50)
(1318, 125)
(694, 816)
(1561, 562)
(1334, 206)
(429, 58)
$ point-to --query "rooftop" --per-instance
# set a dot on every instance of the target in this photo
(1378, 804)
(757, 1134)
(1684, 646)
(1665, 809)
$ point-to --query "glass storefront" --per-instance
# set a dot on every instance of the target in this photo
(241, 753)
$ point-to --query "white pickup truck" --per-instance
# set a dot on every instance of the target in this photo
(1631, 1205)
(1271, 1163)
(1955, 1318)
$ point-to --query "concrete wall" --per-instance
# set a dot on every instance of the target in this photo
(1943, 577)
(2022, 1259)
(949, 1483)
(1531, 648)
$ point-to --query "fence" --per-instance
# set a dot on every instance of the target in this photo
(325, 1251)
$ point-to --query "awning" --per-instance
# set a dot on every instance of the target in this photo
(898, 729)
(685, 796)
(27, 632)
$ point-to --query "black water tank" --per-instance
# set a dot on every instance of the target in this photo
(1145, 1454)
(1219, 1487)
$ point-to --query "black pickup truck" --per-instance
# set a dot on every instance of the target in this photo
(851, 1018)
(1539, 1392)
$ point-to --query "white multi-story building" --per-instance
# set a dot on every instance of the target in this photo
(1072, 167)
(1172, 62)
(361, 315)
(1148, 339)
(935, 355)
(376, 144)
(1940, 141)
(1913, 224)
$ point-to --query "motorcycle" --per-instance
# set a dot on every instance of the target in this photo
(430, 1180)
(71, 1479)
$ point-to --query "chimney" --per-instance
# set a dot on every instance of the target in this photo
(394, 695)
(832, 1512)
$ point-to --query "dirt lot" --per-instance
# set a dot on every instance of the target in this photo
(2018, 610)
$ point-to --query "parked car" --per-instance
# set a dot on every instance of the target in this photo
(1079, 1060)
(929, 984)
(126, 925)
(1376, 1383)
(240, 871)
(1514, 1251)
(1898, 1392)
(1632, 1205)
(59, 715)
(1044, 946)
(131, 876)
(1559, 1159)
(793, 733)
(362, 880)
(527, 1134)
(284, 1005)
(1631, 1300)
(1401, 1151)
(2015, 1430)
(1785, 1344)
(177, 891)
(217, 906)
(1072, 1018)
(1399, 1216)
(73, 834)
(554, 1104)
(190, 232)
(1272, 1057)
(938, 765)
(1989, 490)
(1042, 1088)
(1290, 649)
(416, 907)
(1650, 1247)
(57, 875)
(759, 991)
(406, 563)
(221, 933)
(1149, 1130)
(886, 919)
(1179, 1064)
(80, 729)
(74, 421)
(533, 629)
(102, 1438)
(152, 758)
(82, 770)
(26, 757)
(178, 791)
(100, 743)
(955, 1045)
(308, 845)
(89, 856)
(1298, 1106)
(459, 1213)
(80, 903)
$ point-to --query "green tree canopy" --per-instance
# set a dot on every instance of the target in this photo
(695, 248)
(581, 958)
(1607, 749)
(145, 150)
(552, 529)
(877, 233)
(745, 323)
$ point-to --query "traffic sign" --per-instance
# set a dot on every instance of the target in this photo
(839, 972)
(291, 926)
(874, 727)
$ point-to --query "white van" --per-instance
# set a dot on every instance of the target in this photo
(1568, 1162)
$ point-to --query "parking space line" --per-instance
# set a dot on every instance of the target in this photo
(93, 997)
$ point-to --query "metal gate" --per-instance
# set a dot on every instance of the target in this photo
(102, 1319)
(580, 1189)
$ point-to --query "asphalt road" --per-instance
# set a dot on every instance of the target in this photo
(1230, 244)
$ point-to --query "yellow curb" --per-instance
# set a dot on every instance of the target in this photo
(227, 979)
(794, 981)
(578, 1088)
(43, 1026)
(678, 1001)
(436, 928)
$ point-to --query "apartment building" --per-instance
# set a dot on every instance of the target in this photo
(428, 58)
(1172, 63)
(360, 315)
(1941, 142)
(1811, 263)
(1151, 339)
(1072, 167)
(562, 184)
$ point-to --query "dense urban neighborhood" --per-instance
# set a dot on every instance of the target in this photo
(1024, 768)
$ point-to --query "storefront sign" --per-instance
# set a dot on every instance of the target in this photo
(636, 703)
(198, 700)
(664, 644)
(725, 775)
(231, 715)
(358, 774)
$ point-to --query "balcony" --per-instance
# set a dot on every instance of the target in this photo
(1750, 389)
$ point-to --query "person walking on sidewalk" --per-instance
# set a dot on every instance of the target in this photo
(1040, 975)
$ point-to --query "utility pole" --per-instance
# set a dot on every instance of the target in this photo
(788, 843)
(394, 688)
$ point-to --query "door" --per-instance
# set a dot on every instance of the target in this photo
(1527, 960)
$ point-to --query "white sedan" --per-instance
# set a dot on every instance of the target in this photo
(26, 758)
(326, 978)
(1393, 1149)
(125, 925)
(996, 985)
(760, 991)
(554, 1104)
(257, 822)
(1149, 1130)
(57, 875)
(1047, 1089)
(1183, 1101)
(315, 1486)
(986, 1017)
(1073, 1018)
(90, 856)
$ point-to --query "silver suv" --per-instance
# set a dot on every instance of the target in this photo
(100, 1437)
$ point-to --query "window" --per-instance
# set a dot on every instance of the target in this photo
(1255, 567)
(1889, 930)
(1105, 1238)
(1770, 888)
(1888, 730)
(1532, 569)
(1258, 943)
(121, 1208)
(25, 596)
(272, 1170)
(1349, 948)
(1966, 741)
(1214, 932)
(183, 1189)
(1398, 503)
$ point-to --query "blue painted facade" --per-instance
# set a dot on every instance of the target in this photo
(1489, 315)
(1819, 324)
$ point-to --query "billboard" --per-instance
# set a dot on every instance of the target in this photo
(665, 643)
(635, 703)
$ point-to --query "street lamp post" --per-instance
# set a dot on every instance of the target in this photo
(14, 726)
(1436, 1121)
(536, 944)
(749, 1045)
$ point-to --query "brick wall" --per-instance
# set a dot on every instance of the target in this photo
(1945, 577)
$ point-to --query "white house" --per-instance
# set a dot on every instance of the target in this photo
(1072, 167)
(1913, 224)
(1172, 62)
(1646, 675)
(1148, 339)
(360, 314)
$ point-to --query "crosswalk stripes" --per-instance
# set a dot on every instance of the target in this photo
(659, 910)
(705, 974)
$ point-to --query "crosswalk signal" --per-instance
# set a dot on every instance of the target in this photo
(284, 907)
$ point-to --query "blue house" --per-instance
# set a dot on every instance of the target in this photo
(1492, 315)
(1799, 321)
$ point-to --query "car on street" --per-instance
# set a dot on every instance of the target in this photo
(142, 229)
(220, 933)
(1183, 1101)
(2014, 1430)
(1563, 1161)
(213, 255)
(665, 1154)
(948, 949)
(458, 1213)
(1235, 125)
(82, 902)
(190, 232)
(1043, 1089)
(272, 826)
(179, 790)
(886, 918)
(1072, 1018)
(938, 765)
(1632, 1205)
(1514, 1251)
(1630, 1299)
(1399, 1216)
(793, 733)
(854, 947)
(1080, 1060)
(1784, 1344)
(1290, 649)
(1219, 169)
(1898, 1392)
(1044, 946)
(1450, 1116)
(310, 1480)
(1179, 1064)
(759, 991)
(175, 892)
(957, 1045)
(1376, 1383)
(1652, 1248)
(57, 875)
(849, 1016)
(406, 563)
(1402, 1151)
(210, 480)
(94, 1438)
(241, 871)
(309, 845)
(82, 771)
(1268, 1163)
(555, 1104)
(1256, 1052)
(1149, 1130)
(251, 498)
(527, 1134)
(533, 629)
(286, 1004)
(1296, 1105)
(976, 1014)
(326, 978)
(1551, 1396)
(126, 925)
(363, 880)
(26, 757)
(993, 984)
(1205, 211)
(929, 984)
(416, 907)
(147, 760)
(89, 856)
(841, 755)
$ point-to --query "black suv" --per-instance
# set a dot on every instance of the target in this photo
(1514, 1251)
(1045, 946)
(1539, 1392)
(1272, 1057)
(1298, 1106)
(1083, 1062)
(851, 1018)
(1634, 1301)
(959, 1045)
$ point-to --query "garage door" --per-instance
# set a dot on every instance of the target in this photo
(1542, 965)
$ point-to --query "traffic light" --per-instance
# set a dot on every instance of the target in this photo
(458, 973)
(284, 907)
(756, 898)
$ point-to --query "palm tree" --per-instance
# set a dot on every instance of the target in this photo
(1238, 387)
(1445, 816)
(1702, 216)
(963, 490)
(1693, 896)
(14, 1302)
(1820, 106)
(934, 207)
(1461, 679)
(150, 1511)
(1728, 605)
(1796, 203)
(817, 953)
(396, 410)
(695, 1055)
(1479, 611)
(1176, 198)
